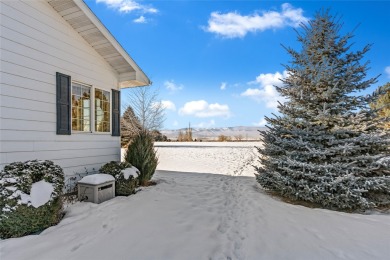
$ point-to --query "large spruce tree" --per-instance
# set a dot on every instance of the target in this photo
(325, 146)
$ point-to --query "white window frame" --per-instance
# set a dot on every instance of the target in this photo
(92, 116)
(109, 109)
(90, 107)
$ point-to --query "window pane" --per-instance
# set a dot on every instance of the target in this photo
(80, 122)
(75, 100)
(76, 89)
(86, 125)
(102, 110)
(106, 96)
(74, 124)
(85, 92)
(106, 106)
(86, 112)
(98, 104)
(98, 94)
(106, 127)
(106, 116)
(81, 107)
(98, 126)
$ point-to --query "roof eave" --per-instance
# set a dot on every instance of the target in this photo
(131, 77)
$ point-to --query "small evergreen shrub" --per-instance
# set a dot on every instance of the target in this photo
(141, 154)
(123, 186)
(18, 216)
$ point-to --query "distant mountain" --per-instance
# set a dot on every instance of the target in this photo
(236, 132)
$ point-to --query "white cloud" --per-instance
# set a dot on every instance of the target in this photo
(262, 122)
(201, 108)
(164, 104)
(127, 6)
(172, 86)
(223, 86)
(168, 105)
(387, 70)
(141, 19)
(206, 124)
(235, 25)
(266, 92)
(270, 78)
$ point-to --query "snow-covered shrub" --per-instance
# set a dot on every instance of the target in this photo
(142, 155)
(125, 183)
(30, 197)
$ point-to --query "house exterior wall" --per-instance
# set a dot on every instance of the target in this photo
(36, 42)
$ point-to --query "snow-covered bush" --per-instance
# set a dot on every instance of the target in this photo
(30, 197)
(142, 155)
(125, 181)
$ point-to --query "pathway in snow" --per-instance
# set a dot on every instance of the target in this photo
(204, 216)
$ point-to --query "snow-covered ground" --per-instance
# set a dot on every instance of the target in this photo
(196, 213)
(227, 158)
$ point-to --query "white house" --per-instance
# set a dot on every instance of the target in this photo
(61, 75)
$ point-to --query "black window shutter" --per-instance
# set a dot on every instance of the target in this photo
(63, 104)
(116, 102)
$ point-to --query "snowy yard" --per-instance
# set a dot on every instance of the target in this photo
(207, 205)
(227, 158)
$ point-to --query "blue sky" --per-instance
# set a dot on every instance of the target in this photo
(215, 62)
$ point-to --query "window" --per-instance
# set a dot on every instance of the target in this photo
(81, 107)
(84, 108)
(102, 110)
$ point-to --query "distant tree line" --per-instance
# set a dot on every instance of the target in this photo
(186, 135)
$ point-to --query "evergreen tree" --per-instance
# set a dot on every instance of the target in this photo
(326, 147)
(143, 156)
(383, 105)
(130, 126)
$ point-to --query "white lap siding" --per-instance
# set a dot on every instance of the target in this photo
(36, 42)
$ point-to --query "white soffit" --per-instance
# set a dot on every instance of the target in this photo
(85, 22)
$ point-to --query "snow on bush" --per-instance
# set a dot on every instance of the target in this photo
(30, 197)
(132, 171)
(125, 177)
